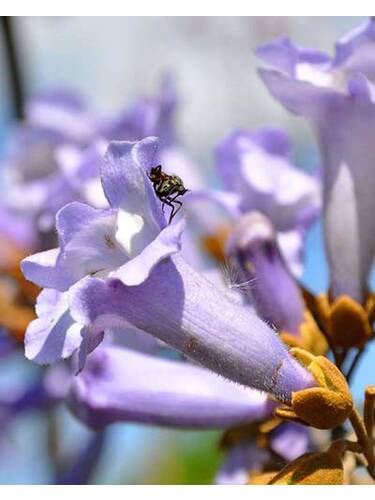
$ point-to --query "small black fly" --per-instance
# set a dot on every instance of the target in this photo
(167, 188)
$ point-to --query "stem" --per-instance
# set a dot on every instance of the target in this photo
(15, 76)
(363, 440)
(368, 411)
(82, 469)
(342, 445)
(354, 364)
(53, 439)
(358, 426)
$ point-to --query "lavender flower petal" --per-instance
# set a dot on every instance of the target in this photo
(41, 269)
(165, 244)
(125, 181)
(119, 385)
(54, 334)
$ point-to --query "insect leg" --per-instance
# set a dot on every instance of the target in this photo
(178, 209)
(170, 202)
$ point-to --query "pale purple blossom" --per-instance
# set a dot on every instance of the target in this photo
(337, 96)
(116, 267)
(258, 174)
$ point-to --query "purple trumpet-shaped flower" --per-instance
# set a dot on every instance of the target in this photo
(126, 240)
(337, 96)
(114, 268)
(121, 385)
(254, 251)
(183, 309)
(258, 174)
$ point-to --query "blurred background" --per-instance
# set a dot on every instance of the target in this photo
(111, 61)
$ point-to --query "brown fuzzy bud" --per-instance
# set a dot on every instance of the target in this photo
(324, 407)
(310, 337)
(346, 322)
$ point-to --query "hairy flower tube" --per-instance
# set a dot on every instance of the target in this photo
(114, 268)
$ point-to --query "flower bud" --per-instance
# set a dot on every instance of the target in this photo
(323, 407)
(310, 337)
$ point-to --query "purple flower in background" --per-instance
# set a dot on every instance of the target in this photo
(258, 174)
(54, 157)
(80, 169)
(7, 345)
(154, 116)
(337, 96)
(253, 250)
(17, 231)
(147, 116)
(32, 185)
(115, 267)
(119, 385)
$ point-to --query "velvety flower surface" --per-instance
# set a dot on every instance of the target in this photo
(195, 318)
(120, 384)
(337, 96)
(124, 241)
(114, 268)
